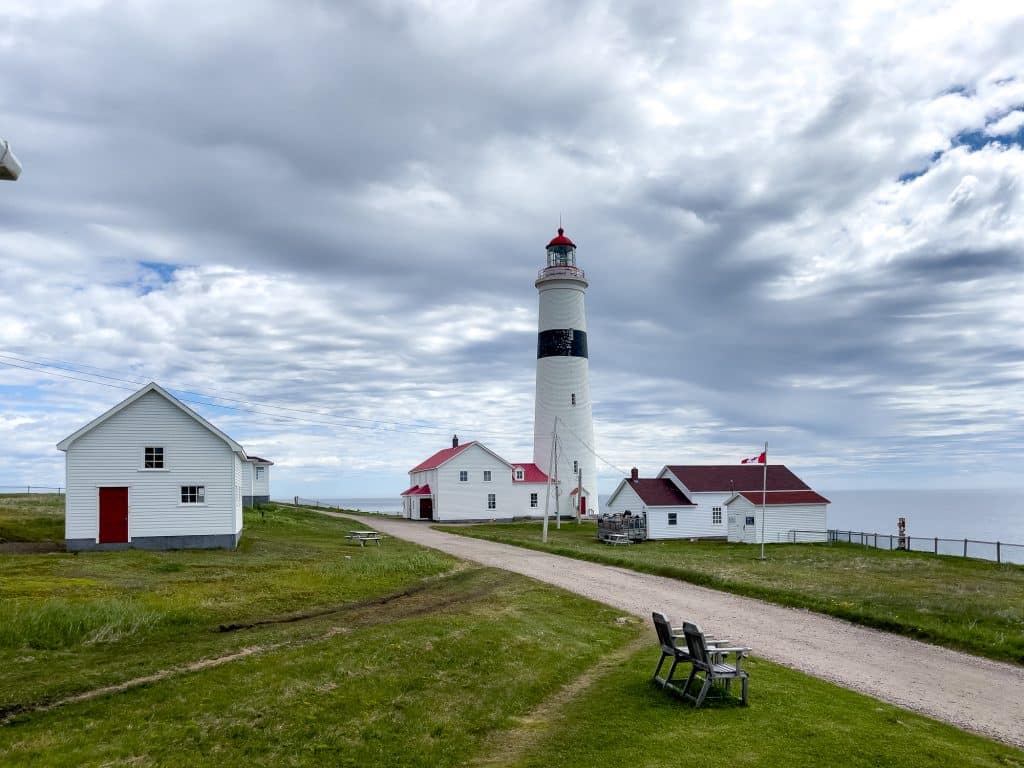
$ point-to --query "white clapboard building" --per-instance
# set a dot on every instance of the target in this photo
(471, 482)
(723, 501)
(256, 481)
(152, 473)
(667, 509)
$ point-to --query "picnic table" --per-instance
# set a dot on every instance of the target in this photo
(616, 538)
(364, 536)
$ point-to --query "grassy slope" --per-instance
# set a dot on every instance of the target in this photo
(31, 517)
(792, 721)
(426, 679)
(76, 621)
(972, 605)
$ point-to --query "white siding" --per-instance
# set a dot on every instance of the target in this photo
(457, 500)
(779, 520)
(239, 472)
(111, 454)
(255, 486)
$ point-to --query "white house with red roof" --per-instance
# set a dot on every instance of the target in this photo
(723, 501)
(669, 512)
(470, 482)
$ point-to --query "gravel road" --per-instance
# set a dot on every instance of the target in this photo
(970, 692)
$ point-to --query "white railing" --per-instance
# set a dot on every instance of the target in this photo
(563, 271)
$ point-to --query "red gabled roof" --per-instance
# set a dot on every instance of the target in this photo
(410, 491)
(785, 497)
(656, 492)
(531, 474)
(423, 490)
(440, 458)
(709, 478)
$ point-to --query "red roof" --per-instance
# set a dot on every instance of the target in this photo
(258, 460)
(656, 492)
(785, 497)
(561, 239)
(709, 478)
(423, 490)
(440, 458)
(531, 474)
(410, 491)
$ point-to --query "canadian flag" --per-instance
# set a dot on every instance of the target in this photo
(759, 459)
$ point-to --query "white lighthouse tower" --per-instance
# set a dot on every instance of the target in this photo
(563, 380)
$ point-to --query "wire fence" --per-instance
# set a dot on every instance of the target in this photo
(24, 488)
(999, 551)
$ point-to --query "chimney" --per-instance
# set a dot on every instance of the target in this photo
(634, 474)
(455, 441)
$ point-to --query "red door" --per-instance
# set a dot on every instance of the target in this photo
(583, 506)
(113, 515)
(426, 509)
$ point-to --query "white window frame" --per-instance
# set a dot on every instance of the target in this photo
(492, 501)
(534, 500)
(520, 475)
(716, 515)
(487, 475)
(146, 458)
(260, 472)
(575, 467)
(197, 491)
(673, 518)
(463, 475)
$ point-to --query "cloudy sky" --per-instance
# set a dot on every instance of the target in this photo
(323, 220)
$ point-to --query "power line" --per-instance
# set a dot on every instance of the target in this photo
(373, 426)
(590, 448)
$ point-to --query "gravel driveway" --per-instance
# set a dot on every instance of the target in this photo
(970, 692)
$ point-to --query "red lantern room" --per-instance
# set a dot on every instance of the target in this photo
(561, 251)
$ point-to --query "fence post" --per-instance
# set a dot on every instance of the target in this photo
(936, 545)
(997, 553)
(965, 547)
(876, 540)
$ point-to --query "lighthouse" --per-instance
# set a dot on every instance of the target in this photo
(562, 406)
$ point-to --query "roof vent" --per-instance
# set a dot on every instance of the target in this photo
(634, 474)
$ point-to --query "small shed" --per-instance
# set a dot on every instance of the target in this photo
(793, 516)
(151, 473)
(668, 511)
(256, 481)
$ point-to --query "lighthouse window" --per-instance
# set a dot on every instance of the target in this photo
(573, 398)
(487, 475)
(492, 502)
(575, 466)
(533, 500)
(463, 476)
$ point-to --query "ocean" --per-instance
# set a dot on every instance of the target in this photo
(984, 515)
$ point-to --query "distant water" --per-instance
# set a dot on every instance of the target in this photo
(387, 506)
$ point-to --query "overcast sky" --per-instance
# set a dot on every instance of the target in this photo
(804, 227)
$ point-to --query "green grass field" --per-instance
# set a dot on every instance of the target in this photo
(303, 649)
(31, 517)
(972, 605)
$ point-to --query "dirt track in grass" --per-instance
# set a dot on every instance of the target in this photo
(970, 692)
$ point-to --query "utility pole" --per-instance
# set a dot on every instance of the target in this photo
(547, 494)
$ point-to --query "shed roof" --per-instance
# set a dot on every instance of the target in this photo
(531, 474)
(659, 492)
(64, 444)
(709, 478)
(775, 498)
(258, 460)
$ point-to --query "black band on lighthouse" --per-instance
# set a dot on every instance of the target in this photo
(562, 342)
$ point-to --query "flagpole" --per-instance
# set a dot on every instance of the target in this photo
(764, 497)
